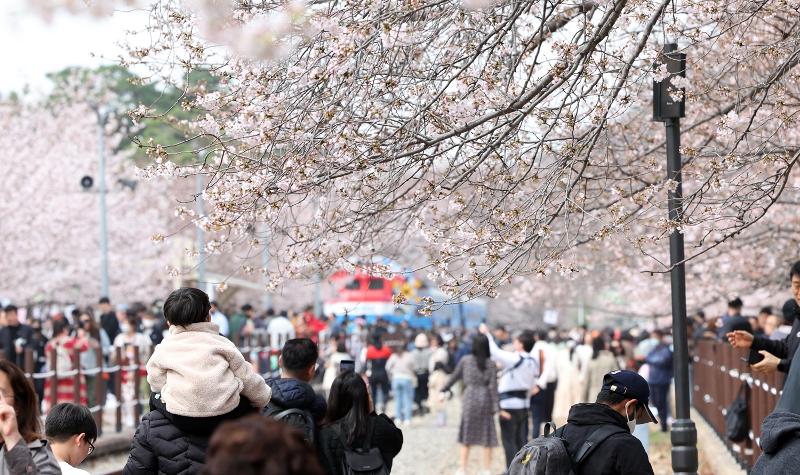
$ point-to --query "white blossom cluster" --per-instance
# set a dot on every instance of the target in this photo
(497, 138)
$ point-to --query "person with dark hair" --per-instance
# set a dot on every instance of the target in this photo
(204, 381)
(762, 317)
(130, 342)
(351, 423)
(23, 449)
(198, 372)
(439, 354)
(659, 360)
(776, 355)
(377, 355)
(733, 320)
(238, 322)
(332, 363)
(601, 362)
(293, 399)
(280, 330)
(543, 394)
(518, 373)
(96, 339)
(108, 318)
(480, 402)
(15, 337)
(255, 445)
(611, 419)
(39, 344)
(63, 344)
(401, 369)
(72, 431)
(218, 318)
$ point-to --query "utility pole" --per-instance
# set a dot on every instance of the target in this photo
(201, 238)
(267, 300)
(668, 110)
(102, 118)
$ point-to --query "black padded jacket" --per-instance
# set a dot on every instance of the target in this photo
(174, 445)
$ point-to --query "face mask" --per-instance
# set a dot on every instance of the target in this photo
(124, 327)
(148, 323)
(631, 423)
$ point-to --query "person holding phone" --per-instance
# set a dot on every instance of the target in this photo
(776, 355)
(332, 367)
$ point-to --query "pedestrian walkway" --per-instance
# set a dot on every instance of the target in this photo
(428, 449)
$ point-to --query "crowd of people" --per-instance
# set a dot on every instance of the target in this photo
(210, 411)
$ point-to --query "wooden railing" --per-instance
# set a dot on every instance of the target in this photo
(719, 372)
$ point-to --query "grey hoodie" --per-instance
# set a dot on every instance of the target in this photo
(780, 442)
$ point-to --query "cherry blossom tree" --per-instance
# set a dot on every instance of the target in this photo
(504, 136)
(49, 251)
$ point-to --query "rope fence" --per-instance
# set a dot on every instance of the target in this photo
(120, 378)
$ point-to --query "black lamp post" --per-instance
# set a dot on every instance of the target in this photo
(670, 111)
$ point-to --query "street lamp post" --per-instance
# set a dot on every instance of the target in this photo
(669, 110)
(102, 118)
(201, 238)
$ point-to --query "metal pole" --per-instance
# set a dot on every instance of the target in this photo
(267, 301)
(318, 296)
(201, 238)
(101, 141)
(684, 434)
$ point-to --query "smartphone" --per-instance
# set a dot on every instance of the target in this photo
(753, 358)
(347, 365)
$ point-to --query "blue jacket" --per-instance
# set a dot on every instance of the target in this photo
(660, 362)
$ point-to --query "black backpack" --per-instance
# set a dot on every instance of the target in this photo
(299, 419)
(364, 460)
(737, 420)
(548, 455)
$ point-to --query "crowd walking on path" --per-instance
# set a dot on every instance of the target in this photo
(326, 406)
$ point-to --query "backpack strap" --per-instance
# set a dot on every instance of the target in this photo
(595, 438)
(288, 412)
(516, 365)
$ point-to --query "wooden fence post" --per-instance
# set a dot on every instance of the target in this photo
(99, 390)
(137, 380)
(76, 378)
(53, 379)
(118, 388)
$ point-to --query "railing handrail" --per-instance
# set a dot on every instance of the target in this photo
(719, 372)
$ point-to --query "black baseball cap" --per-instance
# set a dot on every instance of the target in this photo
(632, 386)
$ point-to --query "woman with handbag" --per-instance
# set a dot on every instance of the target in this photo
(352, 431)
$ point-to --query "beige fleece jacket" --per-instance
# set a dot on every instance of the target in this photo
(201, 373)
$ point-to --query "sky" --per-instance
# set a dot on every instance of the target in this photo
(32, 47)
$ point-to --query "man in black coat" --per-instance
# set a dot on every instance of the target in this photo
(621, 404)
(293, 399)
(15, 337)
(170, 444)
(776, 354)
(108, 319)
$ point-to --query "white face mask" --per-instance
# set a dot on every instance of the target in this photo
(631, 423)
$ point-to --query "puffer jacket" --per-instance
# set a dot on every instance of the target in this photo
(168, 444)
(290, 393)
